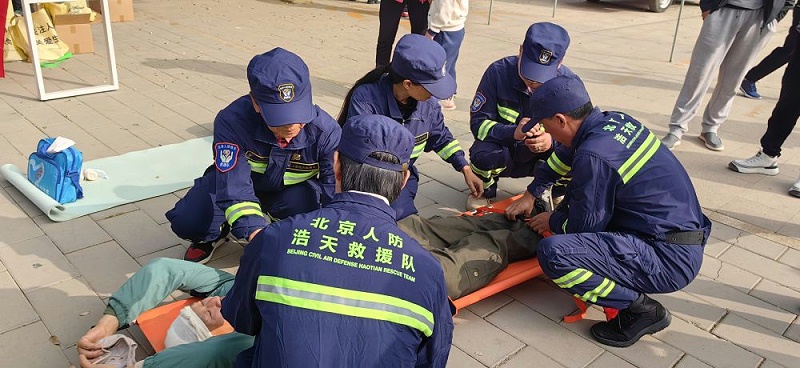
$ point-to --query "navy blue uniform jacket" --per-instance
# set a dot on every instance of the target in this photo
(625, 180)
(340, 287)
(259, 164)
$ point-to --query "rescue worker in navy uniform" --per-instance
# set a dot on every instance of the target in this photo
(632, 225)
(343, 286)
(408, 90)
(273, 156)
(499, 110)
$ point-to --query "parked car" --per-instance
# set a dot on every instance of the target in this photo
(657, 6)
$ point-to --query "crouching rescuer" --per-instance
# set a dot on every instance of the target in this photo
(632, 224)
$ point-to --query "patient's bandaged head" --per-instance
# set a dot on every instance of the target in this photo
(187, 328)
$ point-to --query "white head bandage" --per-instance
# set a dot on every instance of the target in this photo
(188, 327)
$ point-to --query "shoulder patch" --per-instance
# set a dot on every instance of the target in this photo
(225, 156)
(478, 102)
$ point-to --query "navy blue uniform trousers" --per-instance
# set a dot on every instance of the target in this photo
(612, 269)
(515, 162)
(197, 218)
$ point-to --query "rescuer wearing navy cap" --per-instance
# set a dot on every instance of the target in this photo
(631, 224)
(343, 286)
(273, 158)
(408, 91)
(500, 108)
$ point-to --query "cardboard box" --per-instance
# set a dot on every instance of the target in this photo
(65, 19)
(76, 31)
(121, 10)
(77, 36)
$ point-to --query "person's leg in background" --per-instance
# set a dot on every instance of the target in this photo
(451, 43)
(712, 43)
(389, 20)
(418, 15)
(750, 37)
(787, 110)
(776, 59)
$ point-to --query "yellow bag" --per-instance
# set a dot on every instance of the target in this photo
(70, 7)
(51, 48)
(10, 50)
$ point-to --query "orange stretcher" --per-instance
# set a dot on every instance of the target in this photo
(154, 323)
(516, 273)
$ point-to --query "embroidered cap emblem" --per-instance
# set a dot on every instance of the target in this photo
(545, 56)
(286, 92)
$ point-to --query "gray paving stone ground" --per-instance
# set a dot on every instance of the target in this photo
(181, 61)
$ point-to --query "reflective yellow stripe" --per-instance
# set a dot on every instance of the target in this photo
(573, 278)
(559, 167)
(418, 149)
(344, 302)
(486, 173)
(601, 291)
(507, 114)
(449, 149)
(483, 131)
(634, 163)
(487, 176)
(259, 167)
(564, 226)
(238, 210)
(290, 178)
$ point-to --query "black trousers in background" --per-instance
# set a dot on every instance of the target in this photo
(787, 110)
(389, 17)
(780, 55)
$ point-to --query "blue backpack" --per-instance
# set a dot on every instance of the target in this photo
(57, 174)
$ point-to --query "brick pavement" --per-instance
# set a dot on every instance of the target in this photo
(182, 61)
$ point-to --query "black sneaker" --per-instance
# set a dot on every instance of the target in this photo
(201, 252)
(643, 316)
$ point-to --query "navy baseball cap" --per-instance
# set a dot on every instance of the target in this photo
(558, 95)
(422, 61)
(542, 51)
(366, 134)
(279, 82)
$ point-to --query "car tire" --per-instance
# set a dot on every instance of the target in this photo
(659, 6)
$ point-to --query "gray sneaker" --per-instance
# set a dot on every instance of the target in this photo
(670, 141)
(712, 141)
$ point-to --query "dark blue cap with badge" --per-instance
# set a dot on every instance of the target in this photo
(558, 95)
(279, 82)
(422, 61)
(367, 134)
(543, 51)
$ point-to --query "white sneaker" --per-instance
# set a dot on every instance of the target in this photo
(795, 189)
(761, 163)
(475, 203)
